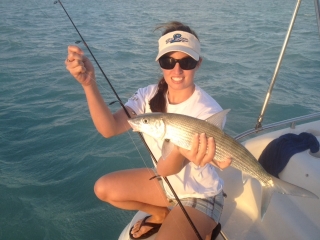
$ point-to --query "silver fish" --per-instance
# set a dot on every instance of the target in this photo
(176, 129)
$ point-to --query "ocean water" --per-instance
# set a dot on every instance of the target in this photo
(50, 152)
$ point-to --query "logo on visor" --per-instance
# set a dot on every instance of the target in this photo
(176, 38)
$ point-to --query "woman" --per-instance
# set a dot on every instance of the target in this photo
(193, 178)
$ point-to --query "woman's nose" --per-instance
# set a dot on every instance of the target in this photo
(177, 68)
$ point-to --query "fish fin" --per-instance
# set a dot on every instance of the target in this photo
(245, 177)
(265, 199)
(282, 187)
(167, 148)
(291, 189)
(218, 118)
(215, 165)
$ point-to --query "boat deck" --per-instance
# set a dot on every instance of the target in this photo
(287, 217)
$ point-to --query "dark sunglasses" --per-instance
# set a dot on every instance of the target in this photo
(187, 63)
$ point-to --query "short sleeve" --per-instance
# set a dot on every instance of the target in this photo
(139, 101)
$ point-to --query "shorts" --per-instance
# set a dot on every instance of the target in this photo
(211, 206)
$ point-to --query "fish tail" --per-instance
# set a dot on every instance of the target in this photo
(282, 187)
(291, 189)
(265, 199)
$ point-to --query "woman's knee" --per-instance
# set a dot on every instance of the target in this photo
(123, 185)
(102, 189)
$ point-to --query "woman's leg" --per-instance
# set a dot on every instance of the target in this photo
(132, 190)
(128, 188)
(176, 225)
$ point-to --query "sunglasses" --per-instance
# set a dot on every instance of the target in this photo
(187, 63)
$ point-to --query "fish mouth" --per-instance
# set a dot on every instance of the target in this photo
(133, 125)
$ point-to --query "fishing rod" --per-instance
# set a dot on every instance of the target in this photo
(128, 115)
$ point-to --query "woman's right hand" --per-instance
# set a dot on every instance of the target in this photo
(79, 66)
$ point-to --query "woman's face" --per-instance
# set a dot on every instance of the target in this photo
(177, 78)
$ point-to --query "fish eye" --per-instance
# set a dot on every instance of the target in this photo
(145, 120)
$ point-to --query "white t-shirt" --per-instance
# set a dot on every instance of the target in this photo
(191, 181)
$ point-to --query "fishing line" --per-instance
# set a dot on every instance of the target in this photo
(101, 87)
(129, 116)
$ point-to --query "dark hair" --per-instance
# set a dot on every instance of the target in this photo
(158, 102)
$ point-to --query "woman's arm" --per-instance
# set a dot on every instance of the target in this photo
(107, 123)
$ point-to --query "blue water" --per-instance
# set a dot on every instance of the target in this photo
(50, 152)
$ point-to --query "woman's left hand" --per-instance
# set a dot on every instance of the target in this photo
(202, 150)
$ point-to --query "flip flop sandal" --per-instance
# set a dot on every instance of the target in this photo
(155, 228)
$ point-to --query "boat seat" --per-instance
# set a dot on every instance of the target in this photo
(278, 152)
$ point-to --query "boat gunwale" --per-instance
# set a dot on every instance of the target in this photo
(291, 121)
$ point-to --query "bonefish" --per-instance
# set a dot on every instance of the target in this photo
(176, 129)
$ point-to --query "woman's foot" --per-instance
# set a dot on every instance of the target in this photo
(146, 227)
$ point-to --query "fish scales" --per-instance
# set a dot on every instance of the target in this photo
(226, 146)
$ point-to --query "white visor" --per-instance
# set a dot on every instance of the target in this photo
(179, 41)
